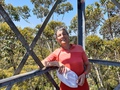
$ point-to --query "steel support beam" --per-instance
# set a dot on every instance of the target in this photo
(81, 22)
(22, 77)
(25, 44)
(105, 62)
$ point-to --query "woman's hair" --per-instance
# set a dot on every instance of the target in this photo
(59, 28)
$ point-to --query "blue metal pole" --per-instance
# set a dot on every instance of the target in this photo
(81, 22)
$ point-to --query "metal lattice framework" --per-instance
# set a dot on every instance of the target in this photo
(29, 49)
(9, 82)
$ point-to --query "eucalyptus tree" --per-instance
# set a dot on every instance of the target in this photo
(101, 17)
(7, 46)
(98, 48)
(105, 77)
(16, 13)
(73, 25)
(10, 47)
(93, 18)
(42, 7)
(94, 49)
(110, 28)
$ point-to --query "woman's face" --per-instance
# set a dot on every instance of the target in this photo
(62, 37)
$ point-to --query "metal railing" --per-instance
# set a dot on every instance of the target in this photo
(22, 77)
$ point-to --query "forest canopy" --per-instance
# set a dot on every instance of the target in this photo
(102, 41)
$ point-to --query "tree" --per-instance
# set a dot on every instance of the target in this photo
(16, 12)
(42, 7)
(109, 29)
(114, 24)
(7, 42)
(11, 48)
(105, 77)
(73, 25)
(93, 18)
(94, 44)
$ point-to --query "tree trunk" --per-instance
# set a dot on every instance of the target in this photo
(98, 76)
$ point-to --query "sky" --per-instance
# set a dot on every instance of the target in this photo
(33, 20)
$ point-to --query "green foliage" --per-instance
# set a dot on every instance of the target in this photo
(28, 34)
(2, 74)
(7, 43)
(73, 25)
(94, 44)
(17, 12)
(93, 18)
(116, 45)
(12, 52)
(110, 29)
(42, 7)
(13, 12)
(105, 77)
(63, 8)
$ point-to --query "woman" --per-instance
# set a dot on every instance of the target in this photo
(71, 56)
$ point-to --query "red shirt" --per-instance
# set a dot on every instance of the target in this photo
(73, 59)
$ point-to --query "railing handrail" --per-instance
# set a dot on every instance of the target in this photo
(105, 62)
(22, 77)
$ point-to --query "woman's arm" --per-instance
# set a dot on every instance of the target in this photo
(51, 63)
(44, 62)
(86, 63)
(61, 67)
(87, 67)
(81, 78)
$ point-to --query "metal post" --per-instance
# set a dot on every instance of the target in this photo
(81, 22)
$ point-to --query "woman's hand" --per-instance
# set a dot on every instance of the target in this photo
(61, 69)
(52, 63)
(81, 79)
